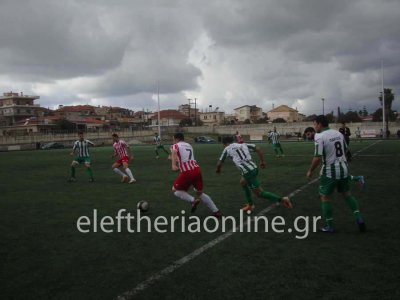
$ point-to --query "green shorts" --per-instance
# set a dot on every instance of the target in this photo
(82, 159)
(252, 179)
(160, 147)
(276, 146)
(327, 185)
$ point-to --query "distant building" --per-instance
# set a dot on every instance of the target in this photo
(169, 117)
(230, 119)
(248, 112)
(74, 112)
(285, 112)
(15, 107)
(212, 118)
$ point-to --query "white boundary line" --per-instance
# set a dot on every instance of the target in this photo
(180, 262)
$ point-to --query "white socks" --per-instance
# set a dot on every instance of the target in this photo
(119, 172)
(128, 171)
(210, 204)
(204, 198)
(184, 196)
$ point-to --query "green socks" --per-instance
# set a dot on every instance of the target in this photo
(270, 196)
(353, 204)
(90, 172)
(73, 172)
(326, 207)
(247, 192)
(355, 178)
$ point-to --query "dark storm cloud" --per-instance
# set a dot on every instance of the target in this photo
(46, 40)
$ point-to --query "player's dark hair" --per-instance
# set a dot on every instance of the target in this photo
(114, 135)
(179, 136)
(323, 120)
(309, 129)
(227, 140)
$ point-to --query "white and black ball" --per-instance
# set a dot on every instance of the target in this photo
(143, 206)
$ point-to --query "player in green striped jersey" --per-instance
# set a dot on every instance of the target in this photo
(81, 146)
(309, 133)
(159, 146)
(330, 149)
(273, 136)
(240, 154)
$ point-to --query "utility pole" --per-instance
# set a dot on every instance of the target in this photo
(323, 106)
(190, 100)
(193, 101)
(195, 111)
(383, 106)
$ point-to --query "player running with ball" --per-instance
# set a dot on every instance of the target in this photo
(122, 150)
(240, 154)
(183, 160)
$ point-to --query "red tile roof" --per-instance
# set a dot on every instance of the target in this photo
(170, 114)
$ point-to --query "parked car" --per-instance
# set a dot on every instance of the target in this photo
(204, 140)
(52, 145)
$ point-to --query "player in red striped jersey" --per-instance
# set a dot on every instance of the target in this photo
(183, 160)
(122, 150)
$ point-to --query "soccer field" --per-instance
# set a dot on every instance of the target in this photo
(44, 256)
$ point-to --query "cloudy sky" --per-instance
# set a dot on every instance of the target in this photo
(224, 53)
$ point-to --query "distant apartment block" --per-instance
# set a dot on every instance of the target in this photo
(248, 112)
(17, 107)
(212, 118)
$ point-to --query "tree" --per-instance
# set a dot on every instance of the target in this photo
(331, 117)
(186, 122)
(377, 116)
(310, 118)
(389, 98)
(247, 121)
(364, 111)
(279, 120)
(349, 117)
(261, 121)
(64, 124)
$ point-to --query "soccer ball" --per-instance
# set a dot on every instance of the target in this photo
(143, 206)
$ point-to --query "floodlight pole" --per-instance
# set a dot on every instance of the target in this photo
(383, 106)
(323, 106)
(159, 118)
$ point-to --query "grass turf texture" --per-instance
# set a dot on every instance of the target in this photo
(43, 256)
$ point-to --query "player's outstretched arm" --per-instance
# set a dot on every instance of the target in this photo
(260, 154)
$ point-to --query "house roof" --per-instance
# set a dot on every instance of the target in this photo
(170, 114)
(251, 106)
(283, 108)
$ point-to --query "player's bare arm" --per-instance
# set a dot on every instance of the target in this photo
(174, 161)
(73, 151)
(314, 164)
(219, 167)
(260, 154)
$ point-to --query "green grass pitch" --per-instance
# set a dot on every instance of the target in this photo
(43, 256)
